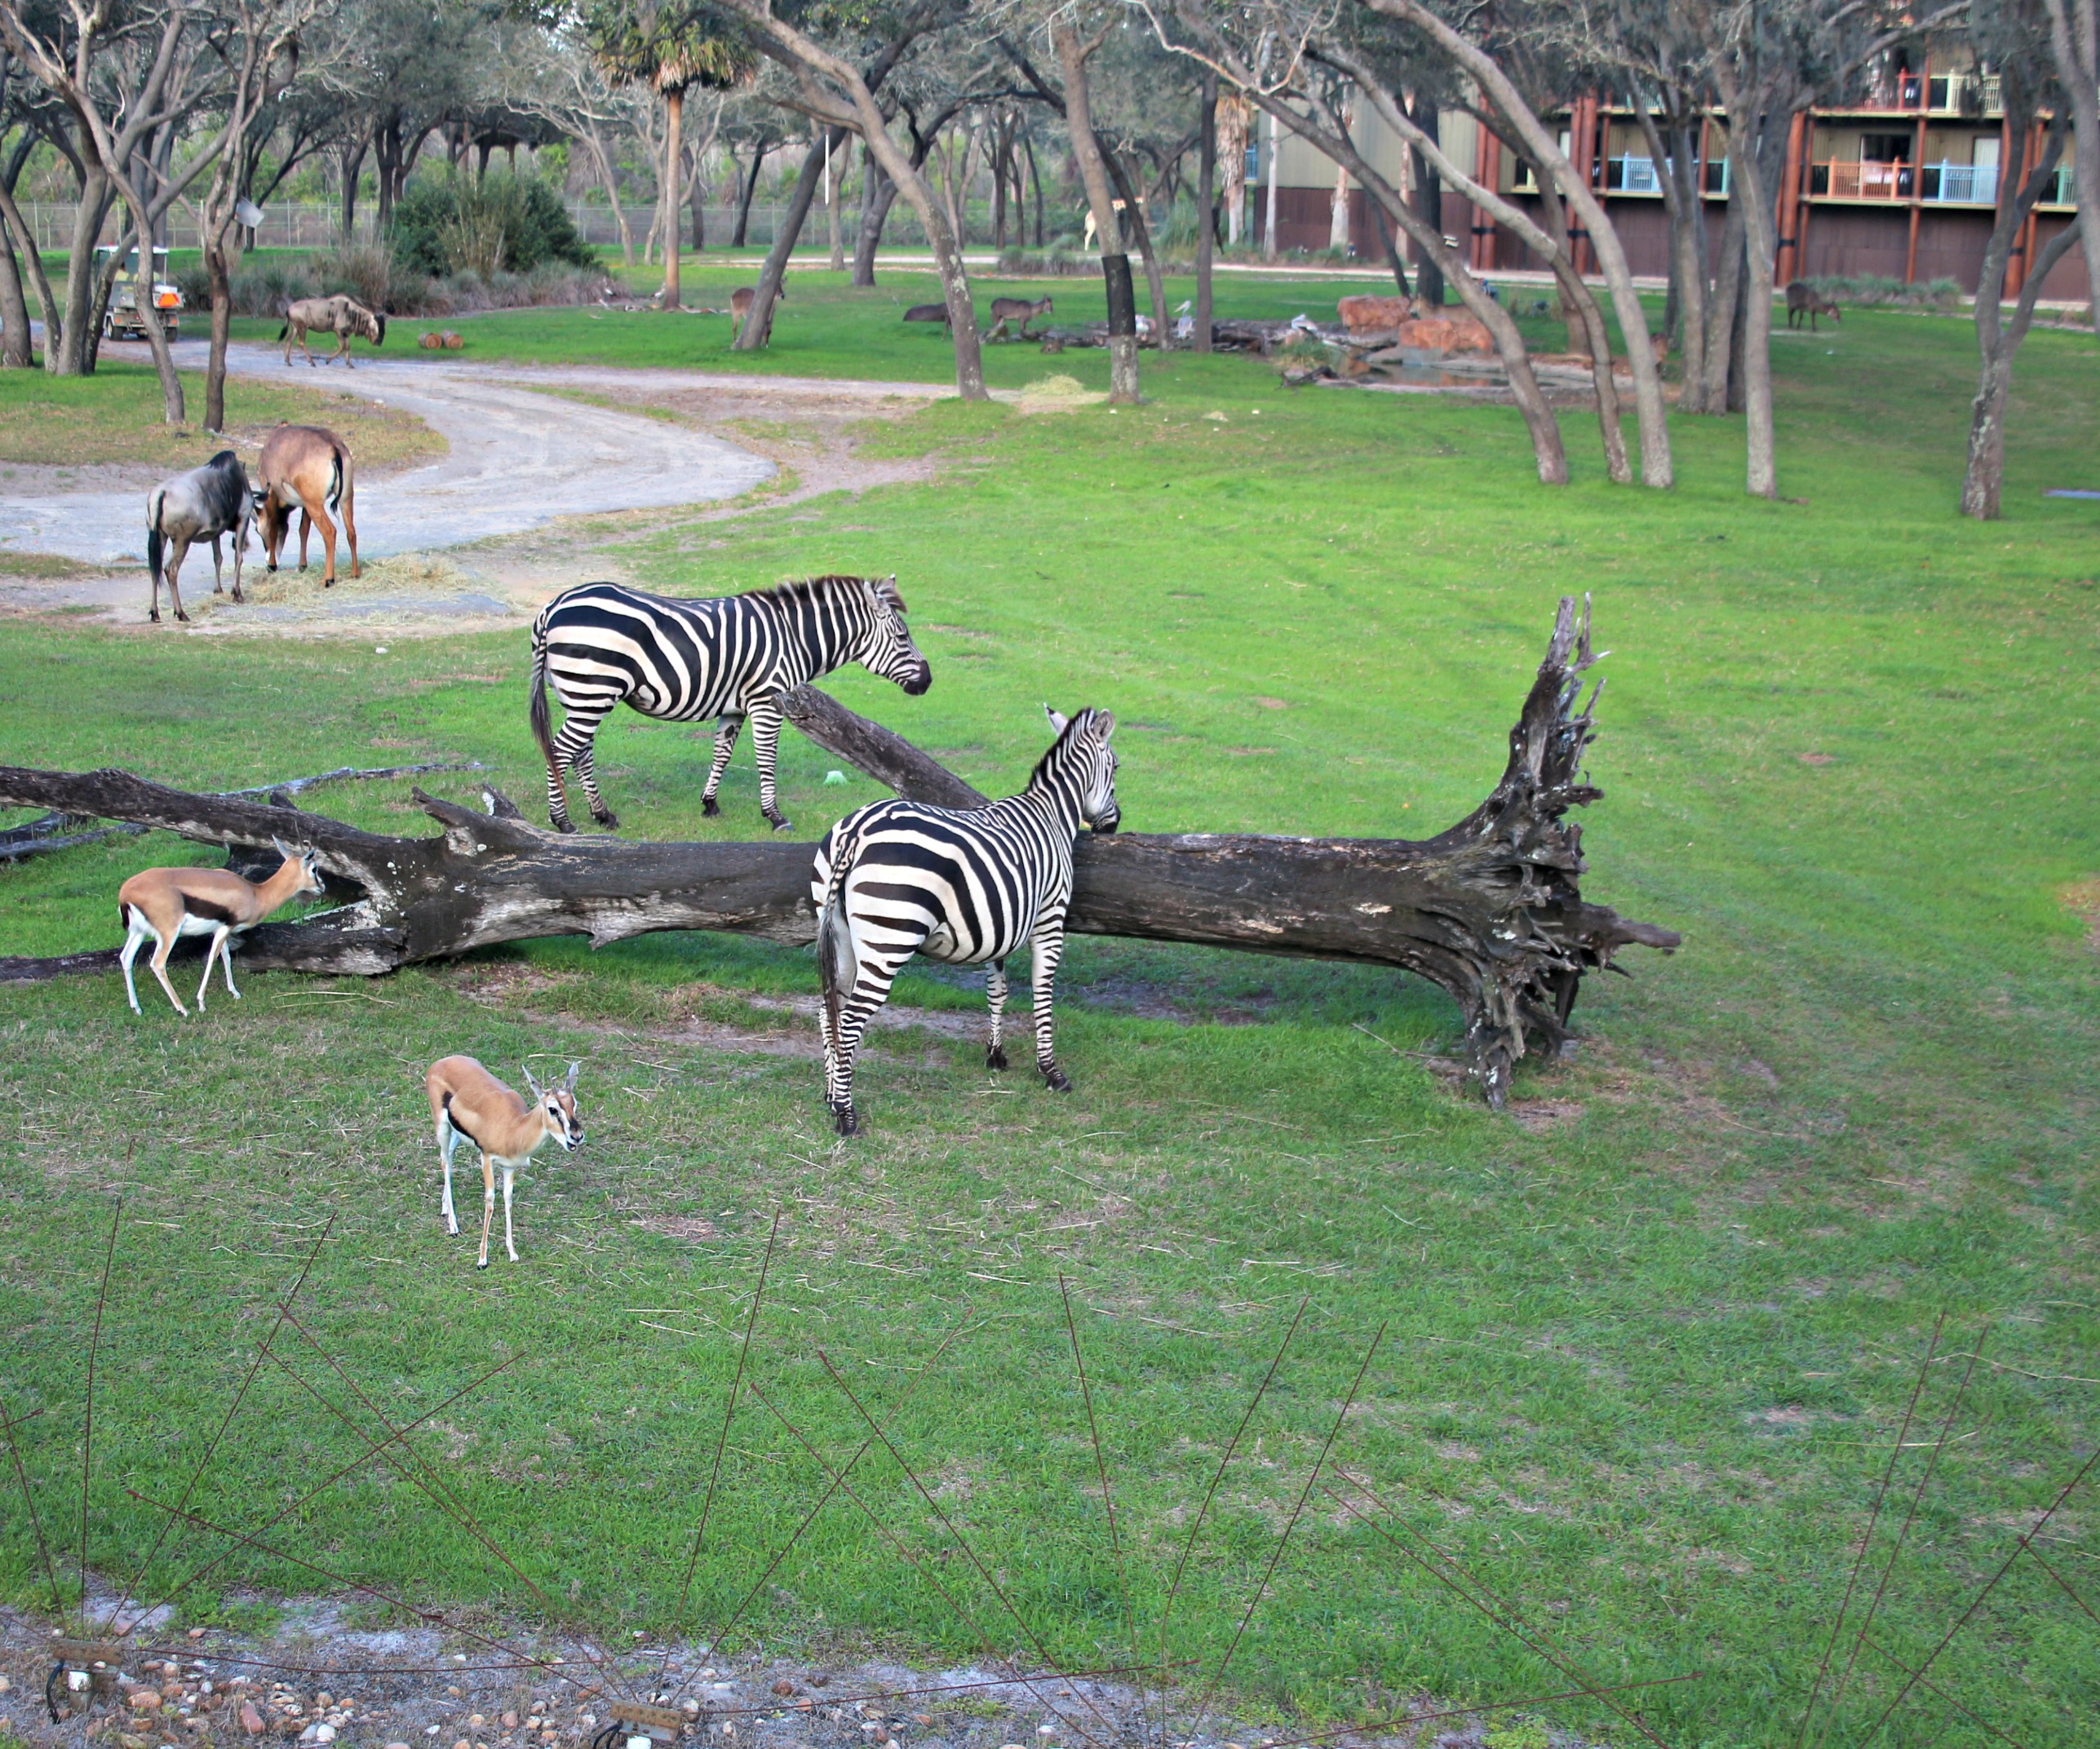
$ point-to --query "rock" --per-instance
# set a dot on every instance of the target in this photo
(397, 1746)
(922, 1718)
(509, 1721)
(1445, 333)
(130, 1742)
(196, 1633)
(1369, 315)
(324, 1700)
(143, 1700)
(324, 1734)
(251, 1721)
(463, 1744)
(5, 1685)
(476, 1722)
(451, 1688)
(784, 1687)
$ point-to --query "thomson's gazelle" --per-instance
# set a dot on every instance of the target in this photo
(168, 903)
(468, 1103)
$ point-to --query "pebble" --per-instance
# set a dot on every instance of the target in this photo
(1045, 1730)
(783, 1686)
(922, 1718)
(397, 1746)
(324, 1734)
(453, 1689)
(5, 1685)
(324, 1700)
(509, 1721)
(196, 1633)
(143, 1700)
(475, 1722)
(251, 1721)
(463, 1744)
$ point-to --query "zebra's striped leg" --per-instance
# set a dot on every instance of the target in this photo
(725, 744)
(557, 798)
(996, 990)
(872, 978)
(575, 746)
(766, 744)
(1047, 949)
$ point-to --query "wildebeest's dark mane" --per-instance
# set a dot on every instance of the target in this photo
(805, 589)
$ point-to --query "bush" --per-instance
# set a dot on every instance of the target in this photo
(503, 224)
(1883, 289)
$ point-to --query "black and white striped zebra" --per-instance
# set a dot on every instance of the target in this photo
(965, 886)
(729, 658)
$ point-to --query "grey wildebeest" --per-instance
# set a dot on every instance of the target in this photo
(203, 504)
(307, 468)
(1005, 310)
(1800, 296)
(343, 317)
(741, 301)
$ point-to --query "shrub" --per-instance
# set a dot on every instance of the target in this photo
(502, 223)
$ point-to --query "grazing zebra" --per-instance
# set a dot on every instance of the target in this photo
(966, 886)
(729, 658)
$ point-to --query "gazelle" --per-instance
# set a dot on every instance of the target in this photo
(468, 1103)
(168, 903)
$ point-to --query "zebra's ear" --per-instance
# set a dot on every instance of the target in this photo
(1057, 721)
(886, 588)
(1104, 722)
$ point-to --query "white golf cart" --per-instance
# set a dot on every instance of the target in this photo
(122, 321)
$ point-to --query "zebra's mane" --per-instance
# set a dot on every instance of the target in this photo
(1083, 720)
(818, 588)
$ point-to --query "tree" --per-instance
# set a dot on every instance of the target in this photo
(668, 45)
(1073, 52)
(2074, 37)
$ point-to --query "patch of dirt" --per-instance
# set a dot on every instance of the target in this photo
(692, 1227)
(1539, 1115)
(2082, 899)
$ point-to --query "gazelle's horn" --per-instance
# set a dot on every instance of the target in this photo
(531, 1082)
(574, 1069)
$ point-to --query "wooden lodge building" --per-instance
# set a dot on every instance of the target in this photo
(1904, 183)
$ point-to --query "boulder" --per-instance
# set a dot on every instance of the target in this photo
(1445, 333)
(1368, 314)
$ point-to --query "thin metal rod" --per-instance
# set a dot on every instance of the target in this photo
(435, 1618)
(1867, 1539)
(1500, 1615)
(1990, 1585)
(1903, 1534)
(925, 1493)
(728, 1415)
(191, 1653)
(434, 1488)
(284, 1309)
(1493, 1706)
(1877, 1647)
(334, 1476)
(714, 1640)
(1291, 1525)
(1187, 1546)
(963, 1614)
(2062, 1583)
(938, 1688)
(87, 1419)
(35, 1523)
(1101, 1469)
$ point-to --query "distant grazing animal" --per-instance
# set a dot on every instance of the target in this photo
(741, 301)
(1800, 296)
(964, 886)
(203, 504)
(468, 1103)
(342, 317)
(928, 312)
(167, 904)
(307, 468)
(728, 657)
(1005, 310)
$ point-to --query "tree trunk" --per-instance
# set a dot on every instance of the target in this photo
(218, 271)
(14, 350)
(1394, 259)
(745, 194)
(1681, 202)
(834, 197)
(1270, 247)
(1490, 910)
(674, 110)
(46, 298)
(1760, 471)
(1072, 56)
(1207, 194)
(352, 167)
(758, 322)
(1140, 234)
(1430, 203)
(1035, 180)
(1721, 312)
(2074, 28)
(874, 214)
(73, 354)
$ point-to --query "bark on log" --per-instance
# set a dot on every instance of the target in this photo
(1490, 910)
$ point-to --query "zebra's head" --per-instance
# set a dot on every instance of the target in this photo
(889, 651)
(1084, 760)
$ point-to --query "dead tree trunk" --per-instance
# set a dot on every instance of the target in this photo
(1490, 910)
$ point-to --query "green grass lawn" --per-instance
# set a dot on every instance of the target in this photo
(1645, 1351)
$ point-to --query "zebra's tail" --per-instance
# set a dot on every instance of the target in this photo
(154, 540)
(542, 725)
(836, 962)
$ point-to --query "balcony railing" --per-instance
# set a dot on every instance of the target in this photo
(1629, 174)
(1957, 184)
(2065, 194)
(1716, 179)
(1973, 184)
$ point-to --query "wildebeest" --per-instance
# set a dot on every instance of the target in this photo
(203, 504)
(339, 315)
(1005, 310)
(741, 301)
(1800, 296)
(307, 468)
(928, 312)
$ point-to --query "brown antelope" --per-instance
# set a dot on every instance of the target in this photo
(1800, 296)
(1005, 310)
(339, 315)
(741, 301)
(307, 468)
(468, 1102)
(169, 903)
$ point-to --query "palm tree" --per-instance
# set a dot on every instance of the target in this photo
(668, 45)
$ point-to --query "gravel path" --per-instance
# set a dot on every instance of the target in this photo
(519, 459)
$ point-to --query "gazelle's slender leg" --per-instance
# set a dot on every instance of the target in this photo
(226, 964)
(210, 953)
(448, 1145)
(996, 990)
(163, 944)
(488, 1206)
(510, 1173)
(132, 943)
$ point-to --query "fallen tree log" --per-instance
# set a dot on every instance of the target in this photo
(1490, 910)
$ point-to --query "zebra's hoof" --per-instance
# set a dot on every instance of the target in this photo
(609, 820)
(846, 1120)
(995, 1056)
(710, 807)
(779, 825)
(1057, 1081)
(565, 826)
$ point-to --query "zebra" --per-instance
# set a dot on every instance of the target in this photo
(965, 886)
(729, 658)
